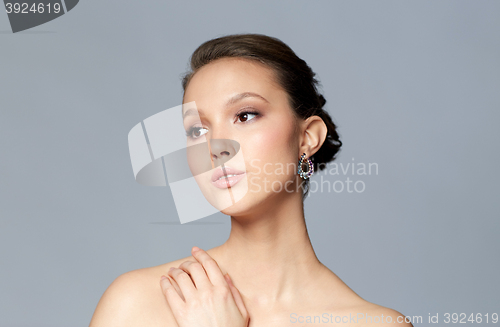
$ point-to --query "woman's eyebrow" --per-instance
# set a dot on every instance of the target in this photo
(234, 99)
(243, 95)
(192, 112)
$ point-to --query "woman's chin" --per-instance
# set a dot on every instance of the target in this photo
(242, 207)
(236, 209)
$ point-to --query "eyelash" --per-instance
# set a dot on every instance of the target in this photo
(247, 111)
(189, 132)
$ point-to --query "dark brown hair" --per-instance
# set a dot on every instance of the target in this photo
(292, 74)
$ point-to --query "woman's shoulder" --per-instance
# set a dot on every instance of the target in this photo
(135, 296)
(148, 274)
(365, 313)
(348, 308)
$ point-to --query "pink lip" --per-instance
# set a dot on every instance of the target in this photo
(226, 182)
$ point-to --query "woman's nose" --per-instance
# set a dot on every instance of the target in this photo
(222, 150)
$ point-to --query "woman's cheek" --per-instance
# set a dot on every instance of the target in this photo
(268, 149)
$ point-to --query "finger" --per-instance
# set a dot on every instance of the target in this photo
(184, 281)
(177, 288)
(198, 275)
(237, 296)
(211, 267)
(170, 293)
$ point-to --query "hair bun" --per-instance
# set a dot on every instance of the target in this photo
(322, 100)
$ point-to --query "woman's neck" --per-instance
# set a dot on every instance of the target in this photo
(269, 256)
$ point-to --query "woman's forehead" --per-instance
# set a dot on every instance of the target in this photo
(230, 72)
(223, 79)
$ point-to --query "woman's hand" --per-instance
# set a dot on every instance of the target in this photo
(206, 298)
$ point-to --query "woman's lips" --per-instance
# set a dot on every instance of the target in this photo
(225, 177)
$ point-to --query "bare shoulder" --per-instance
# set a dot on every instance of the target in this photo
(135, 299)
(334, 302)
(370, 314)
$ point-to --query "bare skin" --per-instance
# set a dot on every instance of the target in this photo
(136, 299)
(268, 254)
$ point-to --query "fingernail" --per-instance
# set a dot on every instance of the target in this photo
(196, 249)
(171, 268)
(163, 277)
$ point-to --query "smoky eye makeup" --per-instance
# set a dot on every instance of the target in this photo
(247, 114)
(195, 132)
(193, 127)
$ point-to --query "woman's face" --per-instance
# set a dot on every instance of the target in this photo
(240, 103)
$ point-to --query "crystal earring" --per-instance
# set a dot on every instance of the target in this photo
(310, 170)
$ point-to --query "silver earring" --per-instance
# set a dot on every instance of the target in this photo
(310, 170)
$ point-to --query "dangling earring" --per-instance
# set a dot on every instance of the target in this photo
(309, 172)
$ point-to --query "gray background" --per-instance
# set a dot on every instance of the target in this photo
(413, 86)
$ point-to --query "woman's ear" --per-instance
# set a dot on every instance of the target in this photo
(314, 132)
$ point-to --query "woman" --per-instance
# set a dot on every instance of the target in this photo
(254, 90)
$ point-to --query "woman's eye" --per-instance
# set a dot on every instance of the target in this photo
(196, 132)
(246, 116)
